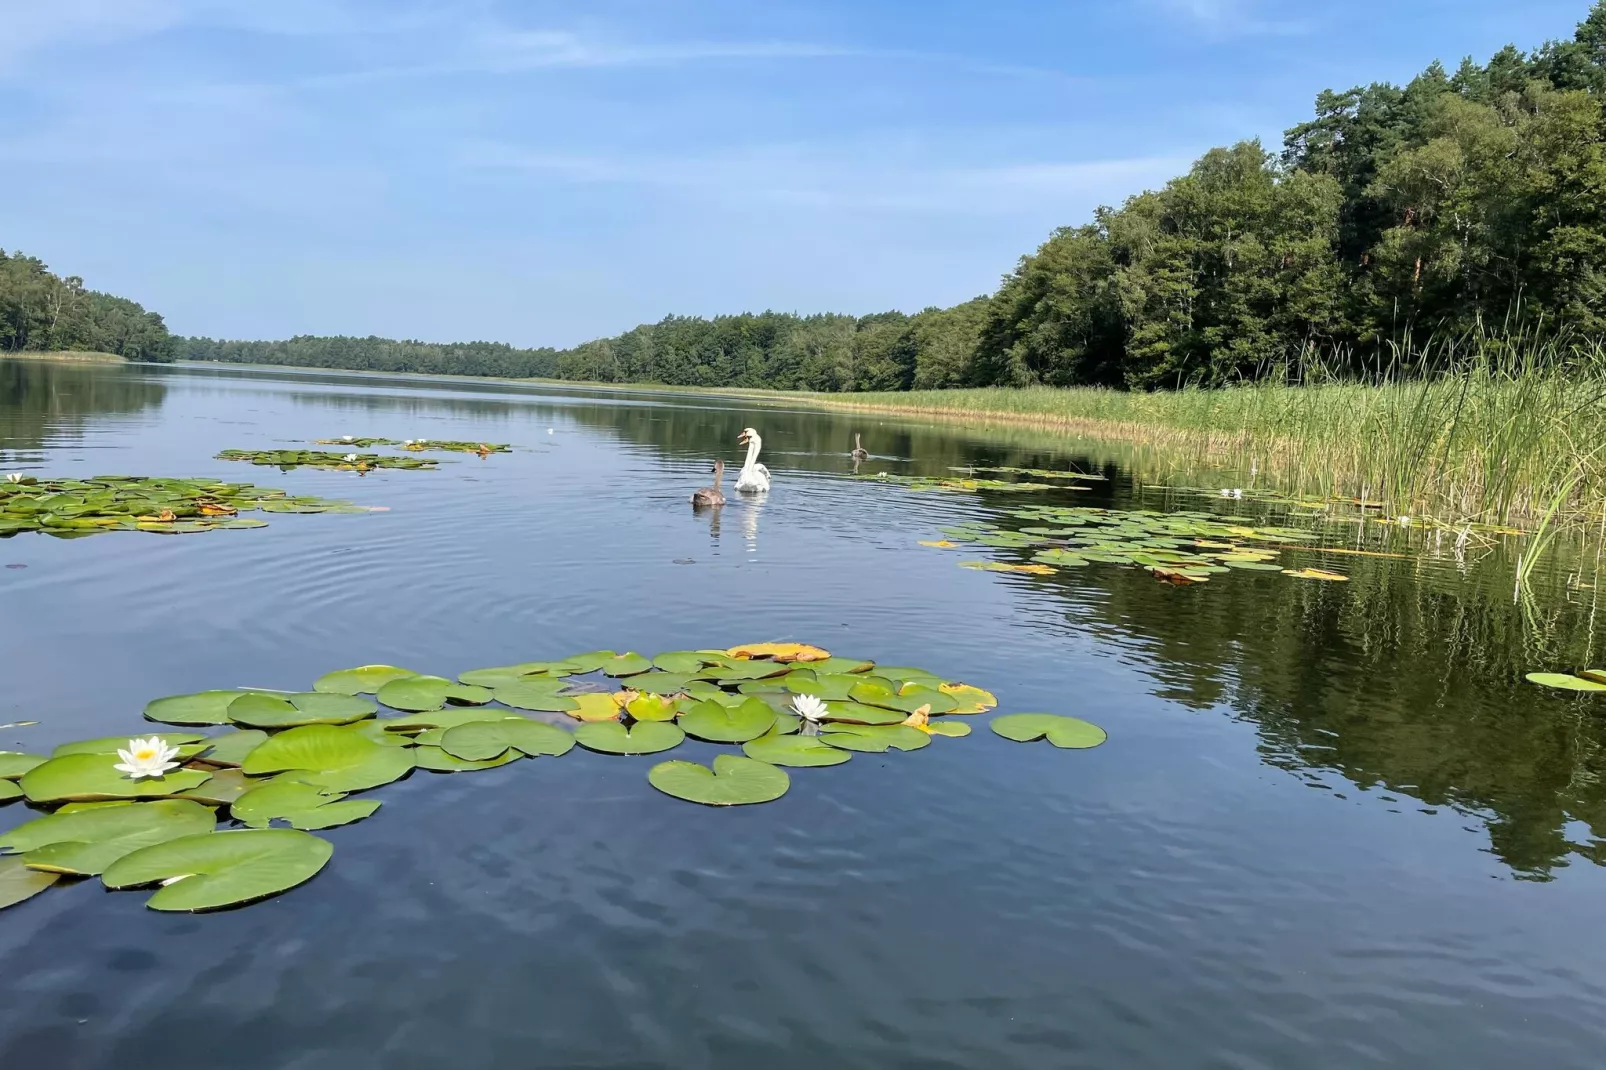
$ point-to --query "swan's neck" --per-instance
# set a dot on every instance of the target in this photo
(752, 452)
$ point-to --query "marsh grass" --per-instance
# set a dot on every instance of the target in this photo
(1497, 428)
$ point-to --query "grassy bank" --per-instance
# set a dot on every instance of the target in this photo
(63, 354)
(1496, 431)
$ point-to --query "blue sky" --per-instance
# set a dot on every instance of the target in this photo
(541, 173)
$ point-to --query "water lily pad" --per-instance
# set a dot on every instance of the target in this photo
(732, 781)
(363, 680)
(294, 710)
(797, 751)
(15, 763)
(485, 740)
(967, 699)
(1564, 681)
(421, 694)
(540, 697)
(909, 698)
(595, 706)
(904, 674)
(746, 670)
(18, 882)
(835, 687)
(1249, 565)
(1316, 574)
(875, 739)
(591, 662)
(626, 665)
(188, 744)
(221, 869)
(93, 776)
(436, 760)
(648, 707)
(231, 748)
(783, 652)
(220, 789)
(835, 665)
(955, 729)
(201, 708)
(9, 790)
(84, 843)
(503, 675)
(718, 723)
(659, 683)
(418, 723)
(859, 713)
(1596, 675)
(336, 759)
(1070, 733)
(302, 806)
(683, 661)
(646, 737)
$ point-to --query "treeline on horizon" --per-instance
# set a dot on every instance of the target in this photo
(1430, 209)
(44, 312)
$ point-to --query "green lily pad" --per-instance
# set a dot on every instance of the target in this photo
(745, 670)
(1564, 681)
(683, 661)
(834, 666)
(295, 710)
(719, 723)
(910, 698)
(503, 675)
(543, 697)
(659, 683)
(903, 674)
(436, 760)
(797, 751)
(336, 759)
(584, 663)
(231, 748)
(646, 737)
(201, 708)
(482, 741)
(302, 806)
(1070, 733)
(86, 842)
(83, 777)
(363, 680)
(442, 719)
(15, 763)
(859, 713)
(9, 790)
(421, 694)
(875, 739)
(189, 744)
(954, 729)
(732, 781)
(18, 882)
(834, 687)
(220, 789)
(649, 707)
(1251, 566)
(626, 665)
(221, 869)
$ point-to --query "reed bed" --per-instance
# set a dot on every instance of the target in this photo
(1497, 429)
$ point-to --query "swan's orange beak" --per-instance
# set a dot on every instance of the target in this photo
(741, 439)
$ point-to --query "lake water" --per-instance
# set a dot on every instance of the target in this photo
(1332, 827)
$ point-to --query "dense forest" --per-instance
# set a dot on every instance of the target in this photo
(1455, 201)
(43, 312)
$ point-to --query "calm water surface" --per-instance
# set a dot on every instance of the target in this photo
(1331, 828)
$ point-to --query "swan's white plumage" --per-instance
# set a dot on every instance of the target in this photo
(754, 477)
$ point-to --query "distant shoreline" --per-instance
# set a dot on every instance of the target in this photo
(67, 356)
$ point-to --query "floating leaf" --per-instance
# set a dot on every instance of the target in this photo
(745, 670)
(336, 759)
(682, 661)
(363, 680)
(940, 544)
(594, 706)
(833, 687)
(646, 737)
(797, 751)
(421, 694)
(733, 781)
(1070, 733)
(783, 652)
(968, 699)
(541, 697)
(201, 708)
(1596, 675)
(231, 748)
(647, 707)
(17, 882)
(85, 842)
(189, 744)
(719, 723)
(15, 763)
(859, 713)
(294, 710)
(584, 663)
(626, 665)
(220, 789)
(1316, 574)
(1564, 681)
(93, 776)
(303, 806)
(436, 760)
(484, 740)
(9, 790)
(221, 869)
(875, 739)
(660, 683)
(955, 729)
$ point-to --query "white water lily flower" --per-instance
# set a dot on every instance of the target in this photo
(810, 708)
(350, 457)
(14, 477)
(147, 758)
(1404, 521)
(347, 438)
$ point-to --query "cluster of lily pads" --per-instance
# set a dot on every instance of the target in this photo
(418, 445)
(1586, 680)
(286, 460)
(1178, 547)
(74, 508)
(193, 814)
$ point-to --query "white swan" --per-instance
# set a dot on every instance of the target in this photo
(754, 478)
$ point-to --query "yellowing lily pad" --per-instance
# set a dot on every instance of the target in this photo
(1564, 681)
(782, 652)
